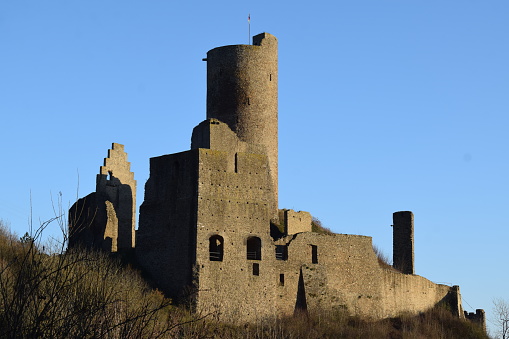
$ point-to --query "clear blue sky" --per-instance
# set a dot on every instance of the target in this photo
(383, 106)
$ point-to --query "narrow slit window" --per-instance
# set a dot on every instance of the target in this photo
(314, 254)
(281, 279)
(236, 163)
(216, 245)
(256, 269)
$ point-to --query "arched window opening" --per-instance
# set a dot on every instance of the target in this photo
(254, 248)
(216, 248)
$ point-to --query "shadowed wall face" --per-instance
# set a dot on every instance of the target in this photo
(403, 241)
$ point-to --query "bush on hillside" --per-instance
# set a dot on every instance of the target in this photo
(77, 294)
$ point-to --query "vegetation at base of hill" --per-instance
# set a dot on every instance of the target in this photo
(437, 323)
(86, 294)
(78, 294)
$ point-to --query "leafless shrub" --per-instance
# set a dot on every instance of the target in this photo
(77, 294)
(501, 318)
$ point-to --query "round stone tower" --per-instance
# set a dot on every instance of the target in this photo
(242, 92)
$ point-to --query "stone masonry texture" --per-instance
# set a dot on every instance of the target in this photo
(210, 233)
(242, 91)
(106, 219)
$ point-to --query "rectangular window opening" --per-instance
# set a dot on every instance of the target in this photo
(236, 163)
(256, 269)
(314, 254)
(281, 252)
(281, 279)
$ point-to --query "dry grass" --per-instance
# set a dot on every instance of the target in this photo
(434, 324)
(317, 227)
(83, 294)
(78, 294)
(383, 259)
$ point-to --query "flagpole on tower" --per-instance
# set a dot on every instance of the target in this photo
(249, 29)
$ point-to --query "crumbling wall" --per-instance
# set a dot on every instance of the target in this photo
(337, 273)
(341, 272)
(115, 183)
(106, 219)
(295, 222)
(83, 227)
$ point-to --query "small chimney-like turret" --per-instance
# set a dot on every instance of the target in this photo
(403, 241)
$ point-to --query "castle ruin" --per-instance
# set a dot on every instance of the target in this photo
(210, 231)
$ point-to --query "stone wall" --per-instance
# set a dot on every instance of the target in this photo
(341, 272)
(106, 218)
(209, 230)
(295, 222)
(205, 227)
(166, 237)
(115, 183)
(235, 204)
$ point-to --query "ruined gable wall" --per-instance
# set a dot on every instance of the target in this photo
(105, 219)
(166, 238)
(115, 183)
(235, 204)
